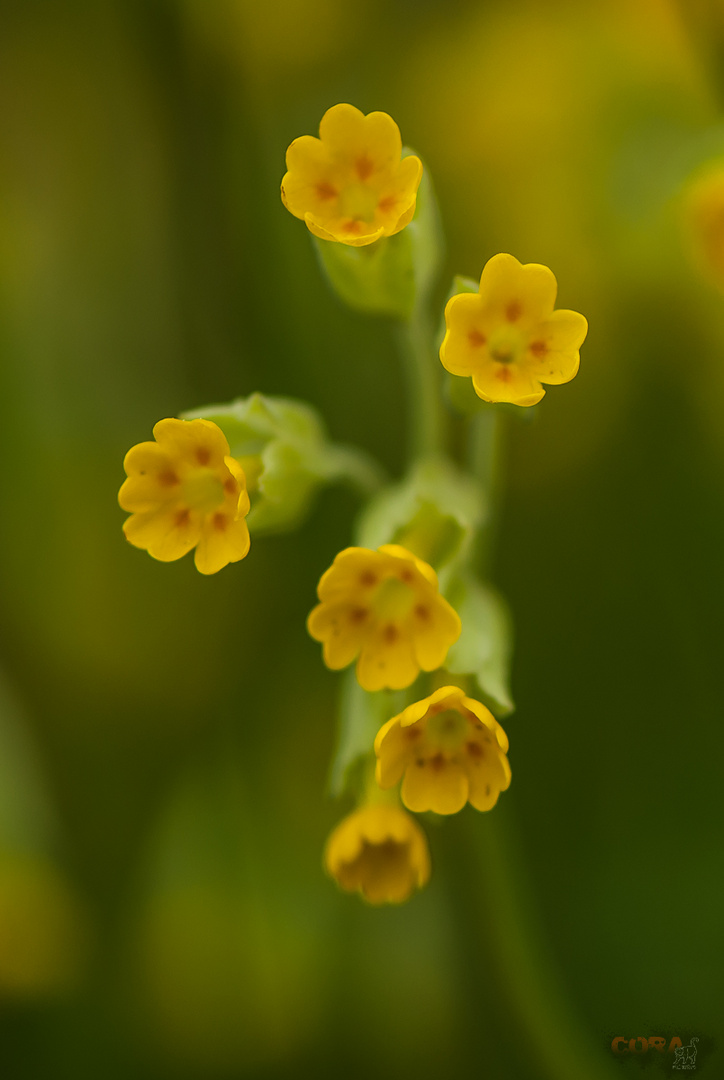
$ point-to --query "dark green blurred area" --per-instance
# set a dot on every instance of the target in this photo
(165, 738)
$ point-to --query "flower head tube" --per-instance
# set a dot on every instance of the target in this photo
(351, 184)
(448, 750)
(508, 337)
(184, 491)
(385, 607)
(379, 851)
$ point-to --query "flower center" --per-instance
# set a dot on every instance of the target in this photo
(202, 490)
(506, 345)
(359, 202)
(393, 600)
(447, 730)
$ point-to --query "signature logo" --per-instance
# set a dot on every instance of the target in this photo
(685, 1056)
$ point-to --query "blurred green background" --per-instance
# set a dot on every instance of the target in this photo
(164, 738)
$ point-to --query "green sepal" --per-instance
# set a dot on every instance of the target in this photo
(361, 715)
(392, 275)
(283, 446)
(435, 513)
(485, 645)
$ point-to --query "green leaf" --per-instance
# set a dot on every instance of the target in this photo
(435, 513)
(485, 644)
(283, 447)
(395, 273)
(361, 715)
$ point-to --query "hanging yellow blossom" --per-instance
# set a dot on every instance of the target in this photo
(185, 491)
(379, 851)
(385, 607)
(447, 749)
(351, 184)
(508, 337)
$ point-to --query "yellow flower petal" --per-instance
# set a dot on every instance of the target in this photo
(386, 662)
(201, 441)
(222, 541)
(393, 747)
(512, 384)
(167, 533)
(443, 789)
(517, 293)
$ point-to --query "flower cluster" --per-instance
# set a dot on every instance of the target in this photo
(383, 607)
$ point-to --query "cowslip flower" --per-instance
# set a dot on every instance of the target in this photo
(385, 608)
(379, 851)
(507, 335)
(351, 184)
(184, 491)
(447, 749)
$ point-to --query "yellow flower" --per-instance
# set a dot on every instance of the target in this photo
(508, 337)
(350, 184)
(704, 222)
(447, 749)
(185, 491)
(379, 851)
(385, 607)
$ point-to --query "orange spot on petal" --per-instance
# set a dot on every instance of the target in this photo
(476, 339)
(513, 311)
(358, 615)
(474, 749)
(422, 612)
(504, 374)
(539, 349)
(364, 167)
(368, 578)
(220, 522)
(203, 455)
(231, 486)
(390, 633)
(407, 576)
(168, 478)
(326, 191)
(386, 204)
(182, 518)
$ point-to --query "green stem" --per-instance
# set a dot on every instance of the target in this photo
(422, 369)
(483, 462)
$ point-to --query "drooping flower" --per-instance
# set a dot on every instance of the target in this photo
(507, 335)
(184, 491)
(351, 184)
(379, 851)
(447, 749)
(384, 607)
